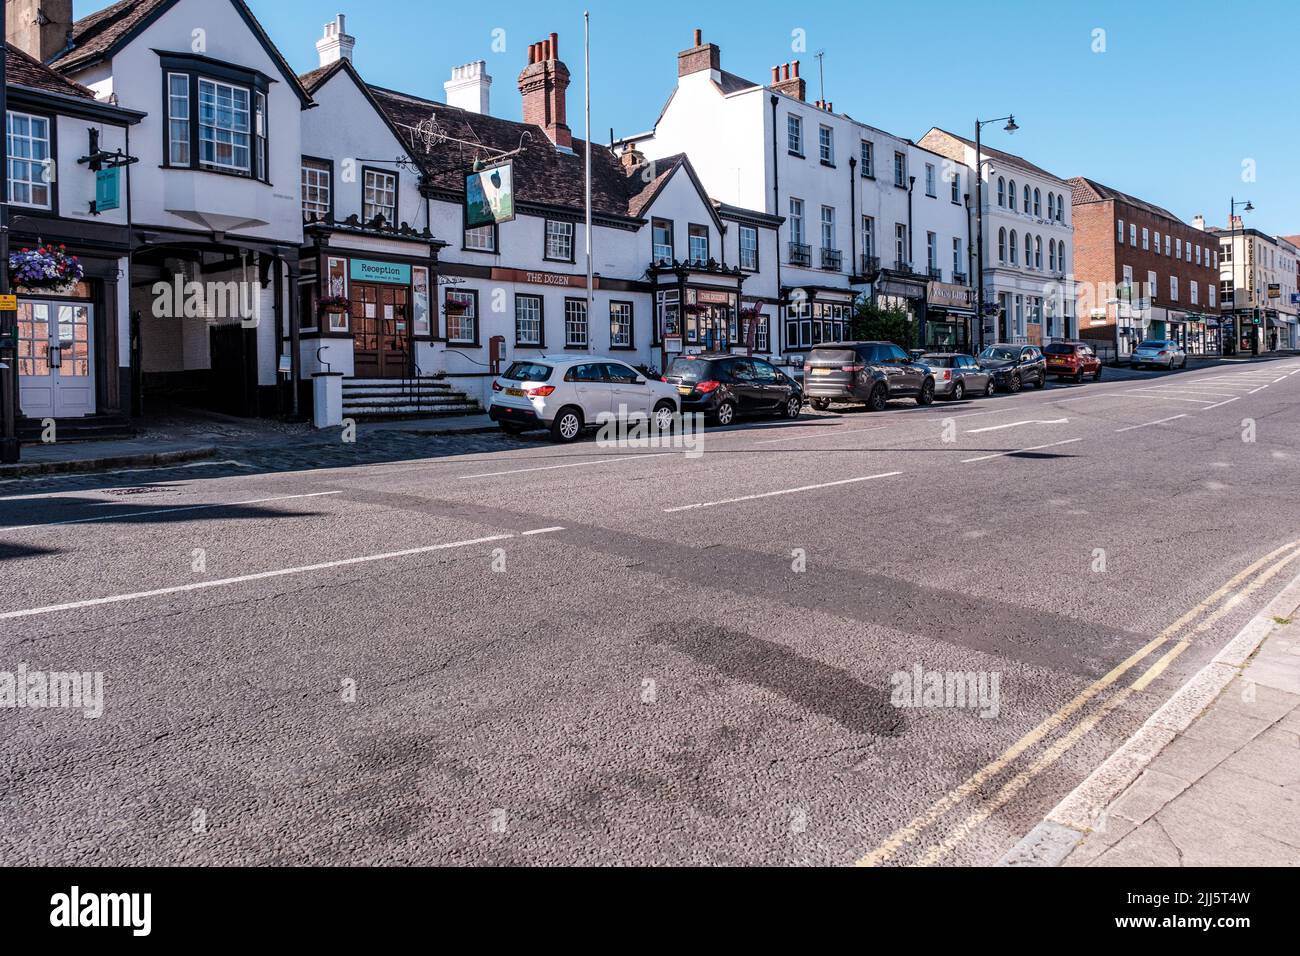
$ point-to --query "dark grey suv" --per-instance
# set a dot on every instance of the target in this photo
(869, 373)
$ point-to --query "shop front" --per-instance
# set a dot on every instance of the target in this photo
(949, 318)
(366, 313)
(699, 309)
(69, 342)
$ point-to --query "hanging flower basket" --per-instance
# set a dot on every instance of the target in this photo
(751, 312)
(336, 304)
(694, 308)
(45, 269)
(451, 307)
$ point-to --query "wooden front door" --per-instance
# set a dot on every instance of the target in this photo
(381, 330)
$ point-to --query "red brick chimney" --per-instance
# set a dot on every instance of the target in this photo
(544, 84)
(699, 57)
(790, 83)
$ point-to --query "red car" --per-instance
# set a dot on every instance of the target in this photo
(1075, 360)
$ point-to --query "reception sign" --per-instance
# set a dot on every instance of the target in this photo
(393, 273)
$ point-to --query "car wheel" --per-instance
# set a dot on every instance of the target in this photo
(1078, 377)
(567, 425)
(927, 393)
(726, 413)
(1042, 380)
(1096, 376)
(958, 392)
(821, 404)
(665, 414)
(1015, 384)
(879, 398)
(793, 406)
(991, 388)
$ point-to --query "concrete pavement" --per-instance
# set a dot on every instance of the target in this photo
(482, 650)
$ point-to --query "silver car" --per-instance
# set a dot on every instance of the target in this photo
(1159, 352)
(957, 375)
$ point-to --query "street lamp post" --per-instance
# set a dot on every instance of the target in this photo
(9, 447)
(1011, 127)
(1246, 206)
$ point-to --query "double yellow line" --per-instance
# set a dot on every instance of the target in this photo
(1204, 615)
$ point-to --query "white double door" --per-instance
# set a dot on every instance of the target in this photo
(56, 368)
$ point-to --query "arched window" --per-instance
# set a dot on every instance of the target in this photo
(1027, 207)
(1038, 203)
(1011, 195)
(1012, 247)
(1060, 257)
(1002, 245)
(1038, 252)
(1002, 191)
(1051, 245)
(1029, 251)
(1051, 205)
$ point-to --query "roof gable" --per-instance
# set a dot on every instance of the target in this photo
(101, 35)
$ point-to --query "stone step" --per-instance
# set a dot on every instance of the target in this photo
(350, 401)
(405, 411)
(424, 380)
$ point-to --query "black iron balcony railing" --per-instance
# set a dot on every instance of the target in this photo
(800, 254)
(870, 265)
(959, 278)
(832, 259)
(934, 272)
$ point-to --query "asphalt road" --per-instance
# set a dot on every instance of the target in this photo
(578, 654)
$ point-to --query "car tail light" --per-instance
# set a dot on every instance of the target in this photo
(1164, 353)
(705, 387)
(663, 378)
(540, 391)
(852, 368)
(947, 375)
(497, 386)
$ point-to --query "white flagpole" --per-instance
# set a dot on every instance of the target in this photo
(586, 25)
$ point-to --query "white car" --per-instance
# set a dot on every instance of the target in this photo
(566, 394)
(1159, 352)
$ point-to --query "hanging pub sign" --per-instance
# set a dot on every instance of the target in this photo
(108, 189)
(489, 196)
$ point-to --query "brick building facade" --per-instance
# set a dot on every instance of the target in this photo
(1142, 272)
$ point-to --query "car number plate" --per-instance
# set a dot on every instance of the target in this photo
(821, 371)
(517, 392)
(685, 389)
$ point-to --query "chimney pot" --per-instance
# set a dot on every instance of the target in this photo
(544, 84)
(796, 69)
(335, 44)
(469, 87)
(699, 37)
(776, 74)
(785, 72)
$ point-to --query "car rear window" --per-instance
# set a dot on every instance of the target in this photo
(527, 372)
(1153, 344)
(938, 361)
(1058, 348)
(688, 370)
(832, 357)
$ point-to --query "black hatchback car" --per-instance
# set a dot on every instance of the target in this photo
(724, 387)
(1015, 366)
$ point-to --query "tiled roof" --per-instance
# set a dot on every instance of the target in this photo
(95, 35)
(1089, 190)
(544, 174)
(934, 140)
(24, 70)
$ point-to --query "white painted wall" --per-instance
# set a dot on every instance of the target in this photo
(159, 195)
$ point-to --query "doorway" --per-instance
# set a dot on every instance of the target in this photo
(380, 330)
(56, 374)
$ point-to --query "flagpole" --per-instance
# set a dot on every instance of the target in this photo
(586, 26)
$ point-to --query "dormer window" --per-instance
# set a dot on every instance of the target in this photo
(216, 118)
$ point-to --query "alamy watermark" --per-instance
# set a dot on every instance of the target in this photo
(972, 690)
(628, 429)
(53, 690)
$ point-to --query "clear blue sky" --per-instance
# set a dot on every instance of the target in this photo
(1185, 92)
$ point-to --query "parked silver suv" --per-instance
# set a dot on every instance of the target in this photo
(868, 373)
